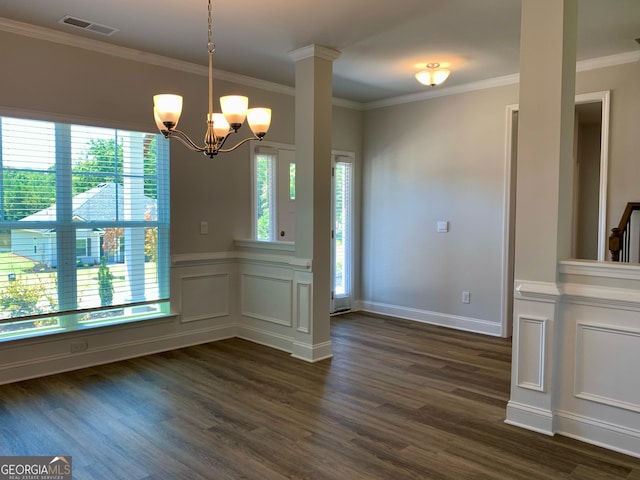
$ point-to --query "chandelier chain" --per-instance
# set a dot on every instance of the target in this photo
(210, 45)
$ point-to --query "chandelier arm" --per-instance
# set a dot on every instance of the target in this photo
(255, 137)
(185, 140)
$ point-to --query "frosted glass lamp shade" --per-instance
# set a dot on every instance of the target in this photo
(259, 120)
(220, 125)
(167, 108)
(432, 76)
(234, 108)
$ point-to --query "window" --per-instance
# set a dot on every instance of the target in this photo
(84, 216)
(264, 180)
(274, 181)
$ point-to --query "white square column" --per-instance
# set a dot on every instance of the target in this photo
(313, 127)
(543, 204)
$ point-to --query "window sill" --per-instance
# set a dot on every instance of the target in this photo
(107, 325)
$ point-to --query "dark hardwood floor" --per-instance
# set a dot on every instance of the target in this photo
(399, 400)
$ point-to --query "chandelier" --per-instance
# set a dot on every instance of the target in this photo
(168, 107)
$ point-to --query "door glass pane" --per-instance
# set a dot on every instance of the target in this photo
(342, 230)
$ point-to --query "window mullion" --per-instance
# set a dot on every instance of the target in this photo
(65, 230)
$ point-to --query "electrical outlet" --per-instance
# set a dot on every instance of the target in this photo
(204, 227)
(466, 297)
(79, 346)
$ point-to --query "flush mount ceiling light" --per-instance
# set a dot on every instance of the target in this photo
(432, 75)
(168, 107)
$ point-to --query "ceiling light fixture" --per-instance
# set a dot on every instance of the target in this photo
(168, 107)
(433, 75)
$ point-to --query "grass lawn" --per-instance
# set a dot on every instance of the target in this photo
(12, 263)
(87, 279)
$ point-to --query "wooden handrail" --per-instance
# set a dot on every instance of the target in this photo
(619, 237)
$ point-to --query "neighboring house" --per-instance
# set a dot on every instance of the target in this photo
(95, 205)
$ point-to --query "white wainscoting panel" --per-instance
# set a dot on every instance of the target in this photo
(607, 360)
(303, 307)
(204, 296)
(532, 341)
(267, 298)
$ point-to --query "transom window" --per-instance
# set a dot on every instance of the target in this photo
(84, 226)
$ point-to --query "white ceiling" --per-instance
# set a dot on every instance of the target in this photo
(382, 44)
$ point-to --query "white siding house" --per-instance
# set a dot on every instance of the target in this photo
(94, 205)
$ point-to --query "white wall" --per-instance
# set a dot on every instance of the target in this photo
(438, 159)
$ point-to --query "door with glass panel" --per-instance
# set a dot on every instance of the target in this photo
(342, 233)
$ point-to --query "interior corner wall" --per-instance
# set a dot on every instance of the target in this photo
(444, 159)
(441, 159)
(55, 81)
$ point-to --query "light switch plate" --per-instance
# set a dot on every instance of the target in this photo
(443, 226)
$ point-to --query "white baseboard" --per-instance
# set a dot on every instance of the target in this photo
(452, 321)
(531, 418)
(597, 432)
(266, 338)
(312, 353)
(50, 364)
(301, 351)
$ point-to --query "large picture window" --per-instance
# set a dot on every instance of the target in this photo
(84, 221)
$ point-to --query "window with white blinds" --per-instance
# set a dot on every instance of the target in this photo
(84, 226)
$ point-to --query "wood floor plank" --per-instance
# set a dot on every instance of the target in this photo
(399, 400)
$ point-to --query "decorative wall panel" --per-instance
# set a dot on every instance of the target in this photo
(204, 296)
(607, 360)
(532, 340)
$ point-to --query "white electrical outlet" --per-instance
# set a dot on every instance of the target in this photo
(204, 227)
(466, 297)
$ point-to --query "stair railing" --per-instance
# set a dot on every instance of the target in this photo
(620, 237)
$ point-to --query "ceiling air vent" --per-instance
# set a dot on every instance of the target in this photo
(85, 25)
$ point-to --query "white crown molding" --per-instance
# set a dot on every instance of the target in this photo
(47, 34)
(581, 66)
(42, 33)
(610, 61)
(325, 53)
(441, 92)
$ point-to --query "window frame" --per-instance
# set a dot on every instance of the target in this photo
(70, 319)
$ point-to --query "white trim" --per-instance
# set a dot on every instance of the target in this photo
(279, 246)
(578, 387)
(207, 258)
(506, 286)
(540, 384)
(434, 318)
(545, 292)
(312, 353)
(581, 66)
(443, 92)
(64, 362)
(532, 418)
(603, 98)
(41, 33)
(319, 51)
(63, 38)
(603, 434)
(591, 268)
(608, 61)
(622, 298)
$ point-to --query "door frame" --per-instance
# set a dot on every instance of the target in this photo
(510, 192)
